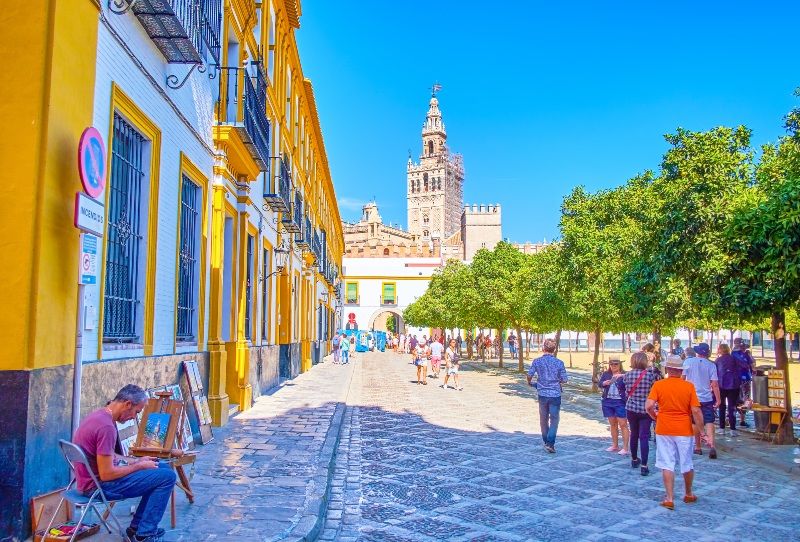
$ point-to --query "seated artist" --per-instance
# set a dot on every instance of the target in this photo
(125, 477)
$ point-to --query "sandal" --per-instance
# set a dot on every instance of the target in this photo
(612, 449)
(668, 505)
(688, 499)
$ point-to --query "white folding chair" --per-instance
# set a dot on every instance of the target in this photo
(75, 456)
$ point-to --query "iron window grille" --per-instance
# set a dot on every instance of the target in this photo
(187, 260)
(248, 291)
(125, 241)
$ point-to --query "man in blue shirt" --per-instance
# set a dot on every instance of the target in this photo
(550, 373)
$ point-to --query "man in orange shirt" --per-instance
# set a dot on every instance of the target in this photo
(673, 404)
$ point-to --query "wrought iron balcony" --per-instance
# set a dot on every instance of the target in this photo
(316, 249)
(183, 30)
(278, 194)
(242, 104)
(303, 239)
(293, 220)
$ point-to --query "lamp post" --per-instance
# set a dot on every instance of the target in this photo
(281, 259)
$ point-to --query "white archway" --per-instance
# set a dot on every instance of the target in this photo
(378, 320)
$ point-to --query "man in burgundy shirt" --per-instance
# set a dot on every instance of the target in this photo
(124, 477)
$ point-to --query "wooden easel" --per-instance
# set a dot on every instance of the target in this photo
(162, 404)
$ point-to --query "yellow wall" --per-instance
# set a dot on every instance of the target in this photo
(49, 48)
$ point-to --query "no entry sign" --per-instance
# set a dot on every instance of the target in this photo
(92, 162)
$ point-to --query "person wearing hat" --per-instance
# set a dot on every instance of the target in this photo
(613, 403)
(674, 405)
(703, 374)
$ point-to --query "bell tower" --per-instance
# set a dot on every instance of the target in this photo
(434, 185)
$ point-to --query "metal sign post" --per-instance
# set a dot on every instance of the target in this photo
(89, 218)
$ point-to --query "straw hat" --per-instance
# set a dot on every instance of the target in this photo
(674, 362)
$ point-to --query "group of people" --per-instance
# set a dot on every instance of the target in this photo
(344, 348)
(682, 402)
(431, 354)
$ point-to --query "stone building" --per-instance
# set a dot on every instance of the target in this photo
(220, 239)
(435, 185)
(480, 228)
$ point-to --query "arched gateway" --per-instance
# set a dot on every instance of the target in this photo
(380, 319)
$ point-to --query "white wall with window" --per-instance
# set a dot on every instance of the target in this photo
(153, 242)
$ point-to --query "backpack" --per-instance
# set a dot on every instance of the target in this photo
(336, 340)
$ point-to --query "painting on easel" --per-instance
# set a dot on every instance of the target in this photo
(155, 430)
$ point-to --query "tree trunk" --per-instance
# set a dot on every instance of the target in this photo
(519, 351)
(785, 432)
(596, 360)
(657, 344)
(762, 342)
(732, 332)
(499, 338)
(528, 343)
(711, 340)
(558, 343)
(569, 347)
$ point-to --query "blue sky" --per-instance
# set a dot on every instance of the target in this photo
(538, 96)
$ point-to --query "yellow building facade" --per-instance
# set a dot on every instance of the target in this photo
(222, 241)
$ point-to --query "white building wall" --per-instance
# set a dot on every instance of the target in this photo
(411, 276)
(127, 57)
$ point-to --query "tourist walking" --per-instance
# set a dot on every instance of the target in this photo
(436, 357)
(452, 365)
(613, 403)
(674, 405)
(412, 345)
(677, 349)
(512, 344)
(703, 374)
(729, 372)
(638, 382)
(352, 347)
(344, 349)
(335, 342)
(748, 365)
(550, 374)
(421, 361)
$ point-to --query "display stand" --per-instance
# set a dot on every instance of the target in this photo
(198, 401)
(776, 403)
(160, 435)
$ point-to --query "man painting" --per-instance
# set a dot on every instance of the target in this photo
(124, 477)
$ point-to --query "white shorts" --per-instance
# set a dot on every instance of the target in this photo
(452, 370)
(671, 450)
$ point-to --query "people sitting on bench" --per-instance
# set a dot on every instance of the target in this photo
(125, 477)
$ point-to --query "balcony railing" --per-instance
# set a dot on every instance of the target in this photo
(293, 220)
(316, 249)
(242, 106)
(183, 30)
(303, 239)
(278, 194)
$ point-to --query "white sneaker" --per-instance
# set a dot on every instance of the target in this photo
(442, 386)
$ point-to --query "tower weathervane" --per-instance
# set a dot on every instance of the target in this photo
(435, 88)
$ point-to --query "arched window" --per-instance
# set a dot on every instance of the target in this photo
(430, 147)
(412, 186)
(425, 181)
(385, 251)
(425, 219)
(425, 233)
(417, 185)
(438, 183)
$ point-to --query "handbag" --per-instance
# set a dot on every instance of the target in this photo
(635, 384)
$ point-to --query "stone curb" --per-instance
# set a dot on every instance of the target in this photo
(312, 518)
(770, 461)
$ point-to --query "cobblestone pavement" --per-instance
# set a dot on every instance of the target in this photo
(419, 463)
(265, 475)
